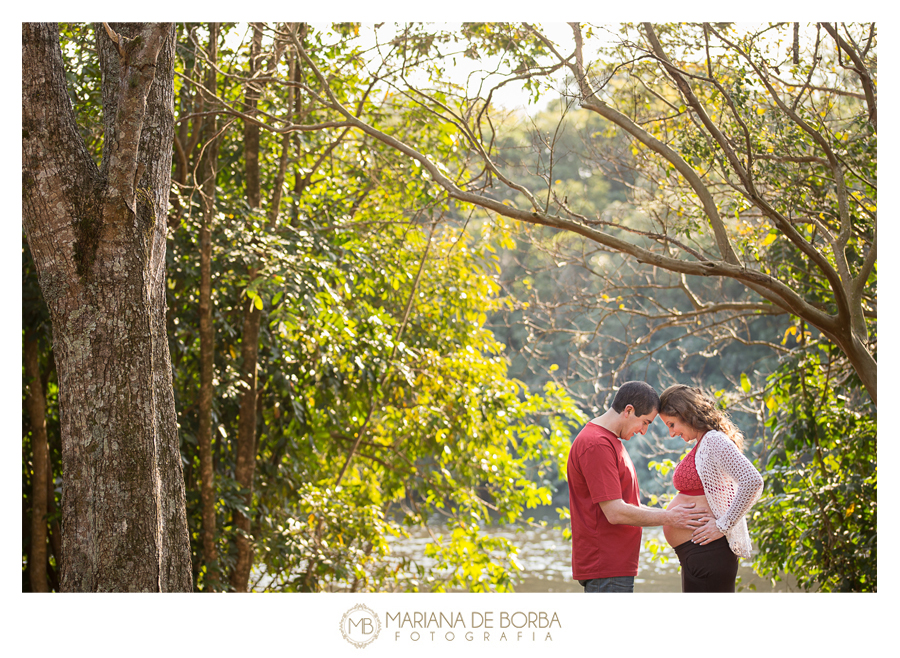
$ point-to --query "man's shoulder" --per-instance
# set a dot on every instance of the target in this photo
(592, 435)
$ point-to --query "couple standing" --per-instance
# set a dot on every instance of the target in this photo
(704, 523)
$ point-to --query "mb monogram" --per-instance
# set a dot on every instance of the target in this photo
(360, 626)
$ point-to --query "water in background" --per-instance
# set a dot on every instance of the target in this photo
(547, 562)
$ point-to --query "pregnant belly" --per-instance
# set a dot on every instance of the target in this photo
(677, 536)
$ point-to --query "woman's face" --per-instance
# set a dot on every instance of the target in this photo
(678, 427)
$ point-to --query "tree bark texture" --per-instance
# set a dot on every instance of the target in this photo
(98, 239)
(36, 405)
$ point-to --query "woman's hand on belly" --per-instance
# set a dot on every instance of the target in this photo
(676, 536)
(709, 532)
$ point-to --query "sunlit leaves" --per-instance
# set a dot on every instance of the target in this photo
(817, 516)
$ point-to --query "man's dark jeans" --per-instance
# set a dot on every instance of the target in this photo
(614, 584)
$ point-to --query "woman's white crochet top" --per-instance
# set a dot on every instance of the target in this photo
(731, 484)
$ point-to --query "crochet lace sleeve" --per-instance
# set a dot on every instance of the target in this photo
(726, 454)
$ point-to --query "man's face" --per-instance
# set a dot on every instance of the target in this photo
(635, 424)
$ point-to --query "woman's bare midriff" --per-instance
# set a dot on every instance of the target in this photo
(677, 536)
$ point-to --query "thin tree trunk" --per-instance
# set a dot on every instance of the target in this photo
(98, 240)
(245, 466)
(54, 533)
(207, 336)
(247, 441)
(252, 92)
(40, 462)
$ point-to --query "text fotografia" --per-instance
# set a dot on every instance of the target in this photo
(480, 626)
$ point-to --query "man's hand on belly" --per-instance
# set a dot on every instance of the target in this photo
(688, 517)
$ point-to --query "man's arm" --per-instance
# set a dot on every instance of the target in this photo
(618, 512)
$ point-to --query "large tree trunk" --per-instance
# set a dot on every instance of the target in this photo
(209, 167)
(98, 240)
(40, 465)
(860, 358)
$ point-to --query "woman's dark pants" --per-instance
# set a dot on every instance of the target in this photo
(709, 568)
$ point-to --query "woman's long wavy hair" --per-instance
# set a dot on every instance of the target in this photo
(697, 410)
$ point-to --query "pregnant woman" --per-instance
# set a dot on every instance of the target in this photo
(716, 477)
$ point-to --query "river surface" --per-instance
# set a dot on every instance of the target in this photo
(546, 559)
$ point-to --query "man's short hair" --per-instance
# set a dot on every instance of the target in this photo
(639, 395)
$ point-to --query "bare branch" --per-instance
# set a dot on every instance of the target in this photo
(860, 68)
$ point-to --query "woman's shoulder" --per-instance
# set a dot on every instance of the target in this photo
(716, 438)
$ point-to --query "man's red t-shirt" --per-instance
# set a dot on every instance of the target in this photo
(600, 469)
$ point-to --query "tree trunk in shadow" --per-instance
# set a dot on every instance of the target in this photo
(40, 464)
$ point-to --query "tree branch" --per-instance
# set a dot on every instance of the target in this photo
(861, 70)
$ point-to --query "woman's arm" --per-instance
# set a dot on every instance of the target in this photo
(725, 454)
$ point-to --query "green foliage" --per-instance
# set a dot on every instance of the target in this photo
(329, 537)
(817, 518)
(658, 550)
(385, 402)
(83, 77)
(466, 558)
(444, 435)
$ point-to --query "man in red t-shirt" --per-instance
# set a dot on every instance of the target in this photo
(604, 498)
